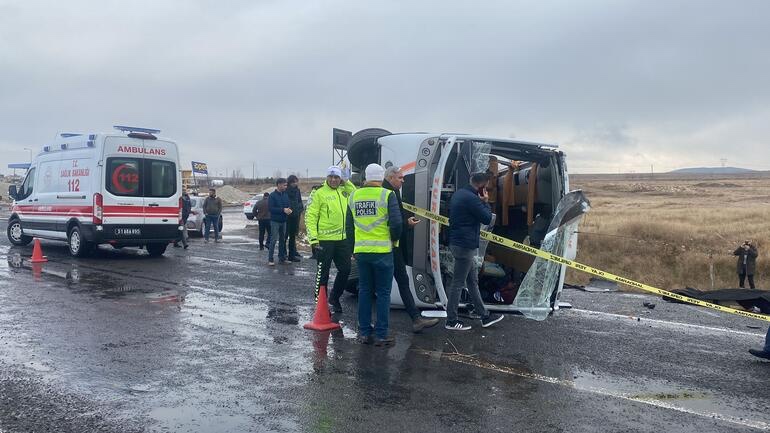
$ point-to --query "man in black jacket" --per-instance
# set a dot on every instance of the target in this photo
(468, 210)
(292, 222)
(186, 209)
(394, 178)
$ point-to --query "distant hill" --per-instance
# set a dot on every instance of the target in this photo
(713, 170)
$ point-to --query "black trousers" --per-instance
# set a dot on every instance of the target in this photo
(264, 231)
(292, 223)
(402, 278)
(338, 252)
(743, 279)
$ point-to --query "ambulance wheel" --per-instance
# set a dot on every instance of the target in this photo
(79, 247)
(249, 216)
(156, 250)
(16, 234)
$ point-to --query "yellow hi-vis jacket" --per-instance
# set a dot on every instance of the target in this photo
(326, 211)
(369, 208)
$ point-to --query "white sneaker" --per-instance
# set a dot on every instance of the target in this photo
(457, 326)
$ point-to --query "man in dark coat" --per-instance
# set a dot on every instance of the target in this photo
(278, 202)
(292, 221)
(468, 210)
(261, 212)
(186, 209)
(394, 178)
(747, 262)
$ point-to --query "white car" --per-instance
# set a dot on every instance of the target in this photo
(249, 205)
(195, 220)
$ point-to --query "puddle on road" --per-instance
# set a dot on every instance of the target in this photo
(699, 402)
(211, 417)
(95, 282)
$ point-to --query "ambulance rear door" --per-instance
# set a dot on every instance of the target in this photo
(123, 193)
(162, 185)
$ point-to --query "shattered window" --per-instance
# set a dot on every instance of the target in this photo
(480, 156)
(534, 296)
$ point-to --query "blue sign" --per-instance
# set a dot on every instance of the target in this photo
(200, 168)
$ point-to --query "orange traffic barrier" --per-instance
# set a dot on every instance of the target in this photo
(322, 320)
(37, 253)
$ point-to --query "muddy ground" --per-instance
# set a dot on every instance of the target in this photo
(210, 340)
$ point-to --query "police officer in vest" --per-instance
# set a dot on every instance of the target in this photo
(374, 222)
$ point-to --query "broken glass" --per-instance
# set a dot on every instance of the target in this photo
(534, 296)
(480, 153)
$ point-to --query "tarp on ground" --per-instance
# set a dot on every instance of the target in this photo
(746, 298)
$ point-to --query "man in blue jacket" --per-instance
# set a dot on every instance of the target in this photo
(468, 210)
(279, 212)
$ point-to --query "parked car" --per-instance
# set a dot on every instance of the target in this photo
(195, 221)
(249, 205)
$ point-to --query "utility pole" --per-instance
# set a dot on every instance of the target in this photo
(652, 172)
(307, 173)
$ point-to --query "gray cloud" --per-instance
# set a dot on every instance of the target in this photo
(265, 82)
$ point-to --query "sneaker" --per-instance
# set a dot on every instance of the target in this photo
(176, 245)
(421, 323)
(261, 247)
(365, 339)
(270, 263)
(760, 353)
(284, 262)
(490, 320)
(456, 326)
(295, 259)
(185, 247)
(335, 307)
(216, 240)
(387, 341)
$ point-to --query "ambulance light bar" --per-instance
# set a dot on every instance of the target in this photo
(136, 129)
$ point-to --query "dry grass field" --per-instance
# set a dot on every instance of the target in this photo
(670, 230)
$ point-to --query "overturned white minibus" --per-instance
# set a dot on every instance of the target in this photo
(529, 195)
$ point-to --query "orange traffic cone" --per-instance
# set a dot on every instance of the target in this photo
(37, 253)
(322, 321)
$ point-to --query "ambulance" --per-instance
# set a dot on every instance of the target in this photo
(121, 188)
(530, 196)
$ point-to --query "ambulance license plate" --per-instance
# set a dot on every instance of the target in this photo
(126, 232)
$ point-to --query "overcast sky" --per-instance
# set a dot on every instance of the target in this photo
(619, 85)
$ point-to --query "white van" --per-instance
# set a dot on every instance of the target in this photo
(121, 188)
(529, 194)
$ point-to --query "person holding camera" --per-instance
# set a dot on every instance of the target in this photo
(747, 262)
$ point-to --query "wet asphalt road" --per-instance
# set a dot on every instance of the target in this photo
(211, 340)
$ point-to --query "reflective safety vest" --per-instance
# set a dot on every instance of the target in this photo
(369, 207)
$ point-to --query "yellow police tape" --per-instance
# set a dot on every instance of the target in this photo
(584, 268)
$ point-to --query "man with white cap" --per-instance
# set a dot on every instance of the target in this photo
(325, 223)
(374, 223)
